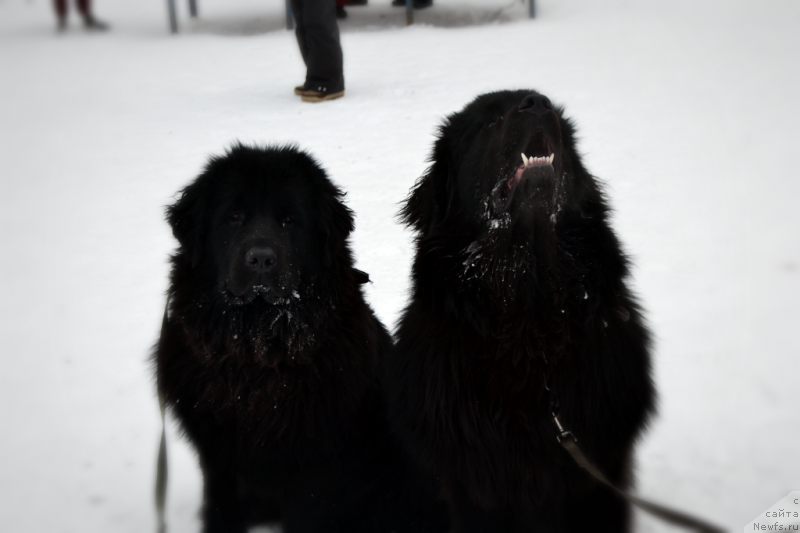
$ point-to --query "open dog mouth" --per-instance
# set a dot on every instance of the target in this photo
(541, 158)
(528, 162)
(538, 164)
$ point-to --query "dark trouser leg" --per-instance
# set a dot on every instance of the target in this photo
(300, 28)
(318, 38)
(61, 8)
(84, 8)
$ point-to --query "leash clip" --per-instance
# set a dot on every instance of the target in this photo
(563, 433)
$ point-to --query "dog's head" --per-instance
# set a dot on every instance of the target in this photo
(260, 222)
(505, 161)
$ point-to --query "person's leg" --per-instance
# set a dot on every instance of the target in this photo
(319, 44)
(85, 9)
(300, 28)
(418, 4)
(61, 12)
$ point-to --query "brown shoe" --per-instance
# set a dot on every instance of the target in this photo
(318, 96)
(299, 90)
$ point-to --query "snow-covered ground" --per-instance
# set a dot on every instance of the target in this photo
(688, 110)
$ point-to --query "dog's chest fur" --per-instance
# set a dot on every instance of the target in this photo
(499, 349)
(261, 394)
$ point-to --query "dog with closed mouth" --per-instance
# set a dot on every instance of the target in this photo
(270, 358)
(519, 308)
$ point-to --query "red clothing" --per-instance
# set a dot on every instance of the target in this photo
(61, 8)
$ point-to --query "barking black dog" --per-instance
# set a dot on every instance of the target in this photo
(270, 356)
(519, 302)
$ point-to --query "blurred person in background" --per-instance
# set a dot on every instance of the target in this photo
(318, 37)
(417, 4)
(341, 13)
(85, 9)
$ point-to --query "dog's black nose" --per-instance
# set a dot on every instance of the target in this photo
(260, 259)
(535, 104)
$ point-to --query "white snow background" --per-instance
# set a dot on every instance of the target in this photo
(688, 110)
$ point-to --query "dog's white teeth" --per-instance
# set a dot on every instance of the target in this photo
(527, 161)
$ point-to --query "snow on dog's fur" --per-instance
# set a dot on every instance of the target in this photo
(519, 285)
(270, 357)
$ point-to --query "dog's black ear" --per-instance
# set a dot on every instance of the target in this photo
(337, 225)
(186, 216)
(428, 201)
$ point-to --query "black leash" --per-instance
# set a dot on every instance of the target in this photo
(570, 443)
(161, 473)
(161, 465)
(565, 437)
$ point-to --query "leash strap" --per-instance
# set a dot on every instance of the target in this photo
(161, 465)
(570, 443)
(161, 473)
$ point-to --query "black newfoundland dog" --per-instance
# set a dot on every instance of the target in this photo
(270, 356)
(519, 308)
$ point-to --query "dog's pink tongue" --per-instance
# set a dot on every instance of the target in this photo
(511, 183)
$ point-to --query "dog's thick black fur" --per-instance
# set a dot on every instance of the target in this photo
(518, 287)
(270, 357)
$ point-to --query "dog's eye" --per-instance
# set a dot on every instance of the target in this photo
(287, 221)
(237, 217)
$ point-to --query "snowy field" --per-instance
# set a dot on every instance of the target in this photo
(689, 111)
